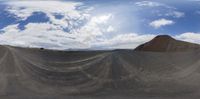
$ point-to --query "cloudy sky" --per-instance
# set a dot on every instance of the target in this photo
(96, 24)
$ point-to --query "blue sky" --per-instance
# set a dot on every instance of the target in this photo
(96, 24)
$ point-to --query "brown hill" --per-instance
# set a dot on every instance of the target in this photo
(165, 43)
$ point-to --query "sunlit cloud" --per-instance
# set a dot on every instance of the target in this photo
(161, 22)
(189, 36)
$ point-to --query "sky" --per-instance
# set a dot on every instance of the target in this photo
(96, 24)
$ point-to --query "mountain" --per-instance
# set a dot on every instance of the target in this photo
(165, 43)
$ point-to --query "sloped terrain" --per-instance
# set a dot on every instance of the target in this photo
(165, 43)
(27, 73)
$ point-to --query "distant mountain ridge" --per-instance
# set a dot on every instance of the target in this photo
(165, 43)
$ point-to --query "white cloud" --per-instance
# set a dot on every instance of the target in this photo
(50, 33)
(178, 14)
(23, 9)
(163, 10)
(101, 19)
(190, 37)
(97, 26)
(148, 4)
(72, 16)
(121, 41)
(175, 14)
(40, 35)
(47, 36)
(91, 35)
(161, 22)
(110, 29)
